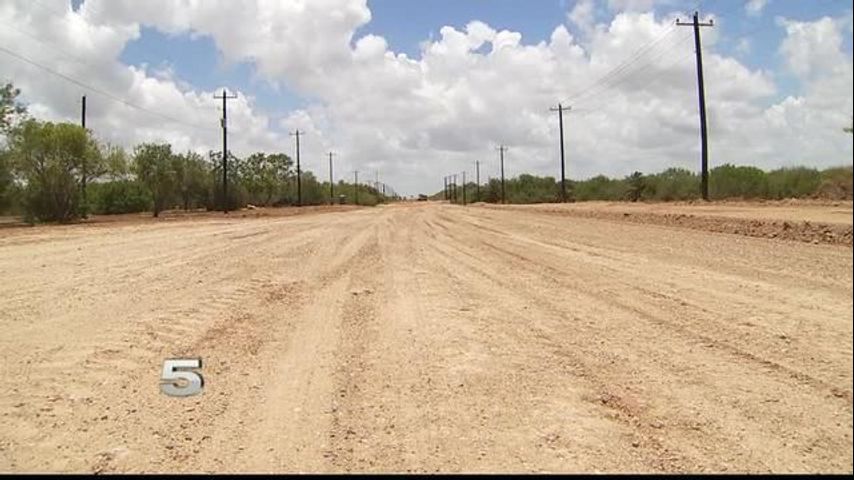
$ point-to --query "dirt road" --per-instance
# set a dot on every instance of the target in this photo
(424, 337)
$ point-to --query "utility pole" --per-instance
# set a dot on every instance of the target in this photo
(83, 112)
(464, 189)
(299, 172)
(445, 187)
(477, 177)
(701, 89)
(83, 160)
(331, 184)
(356, 187)
(560, 108)
(454, 188)
(225, 97)
(501, 150)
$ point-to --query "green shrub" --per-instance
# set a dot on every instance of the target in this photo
(836, 183)
(599, 187)
(674, 184)
(796, 182)
(730, 181)
(120, 196)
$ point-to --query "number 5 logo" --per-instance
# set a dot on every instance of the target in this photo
(178, 378)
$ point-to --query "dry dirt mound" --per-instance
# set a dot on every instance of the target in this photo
(802, 231)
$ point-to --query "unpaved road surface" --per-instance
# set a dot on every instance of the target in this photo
(424, 337)
(816, 211)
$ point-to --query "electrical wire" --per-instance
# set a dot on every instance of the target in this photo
(97, 90)
(629, 75)
(630, 60)
(595, 107)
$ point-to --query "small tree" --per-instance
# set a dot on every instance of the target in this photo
(636, 186)
(154, 167)
(7, 180)
(48, 158)
(192, 179)
(10, 109)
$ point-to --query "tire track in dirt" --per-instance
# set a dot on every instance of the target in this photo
(425, 338)
(688, 302)
(65, 377)
(537, 268)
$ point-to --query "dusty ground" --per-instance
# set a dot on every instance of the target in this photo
(424, 337)
(815, 211)
(813, 221)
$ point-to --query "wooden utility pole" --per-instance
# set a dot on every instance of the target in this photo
(356, 187)
(464, 189)
(225, 97)
(297, 134)
(331, 184)
(501, 150)
(477, 177)
(560, 108)
(83, 160)
(701, 89)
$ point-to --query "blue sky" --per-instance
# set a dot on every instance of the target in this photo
(405, 24)
(412, 119)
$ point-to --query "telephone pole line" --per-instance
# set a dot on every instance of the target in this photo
(356, 187)
(701, 89)
(297, 134)
(83, 160)
(501, 150)
(225, 97)
(464, 189)
(560, 108)
(477, 177)
(331, 183)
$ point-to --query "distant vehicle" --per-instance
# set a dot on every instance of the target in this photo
(423, 198)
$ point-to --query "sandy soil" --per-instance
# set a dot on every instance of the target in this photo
(800, 220)
(816, 211)
(424, 337)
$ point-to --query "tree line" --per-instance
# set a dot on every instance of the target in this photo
(725, 182)
(59, 172)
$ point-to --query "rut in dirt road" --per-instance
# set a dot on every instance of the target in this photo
(426, 337)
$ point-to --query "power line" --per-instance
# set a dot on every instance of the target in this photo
(637, 75)
(631, 59)
(97, 90)
(628, 74)
(53, 45)
(647, 79)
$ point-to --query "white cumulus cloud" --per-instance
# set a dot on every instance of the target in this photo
(416, 119)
